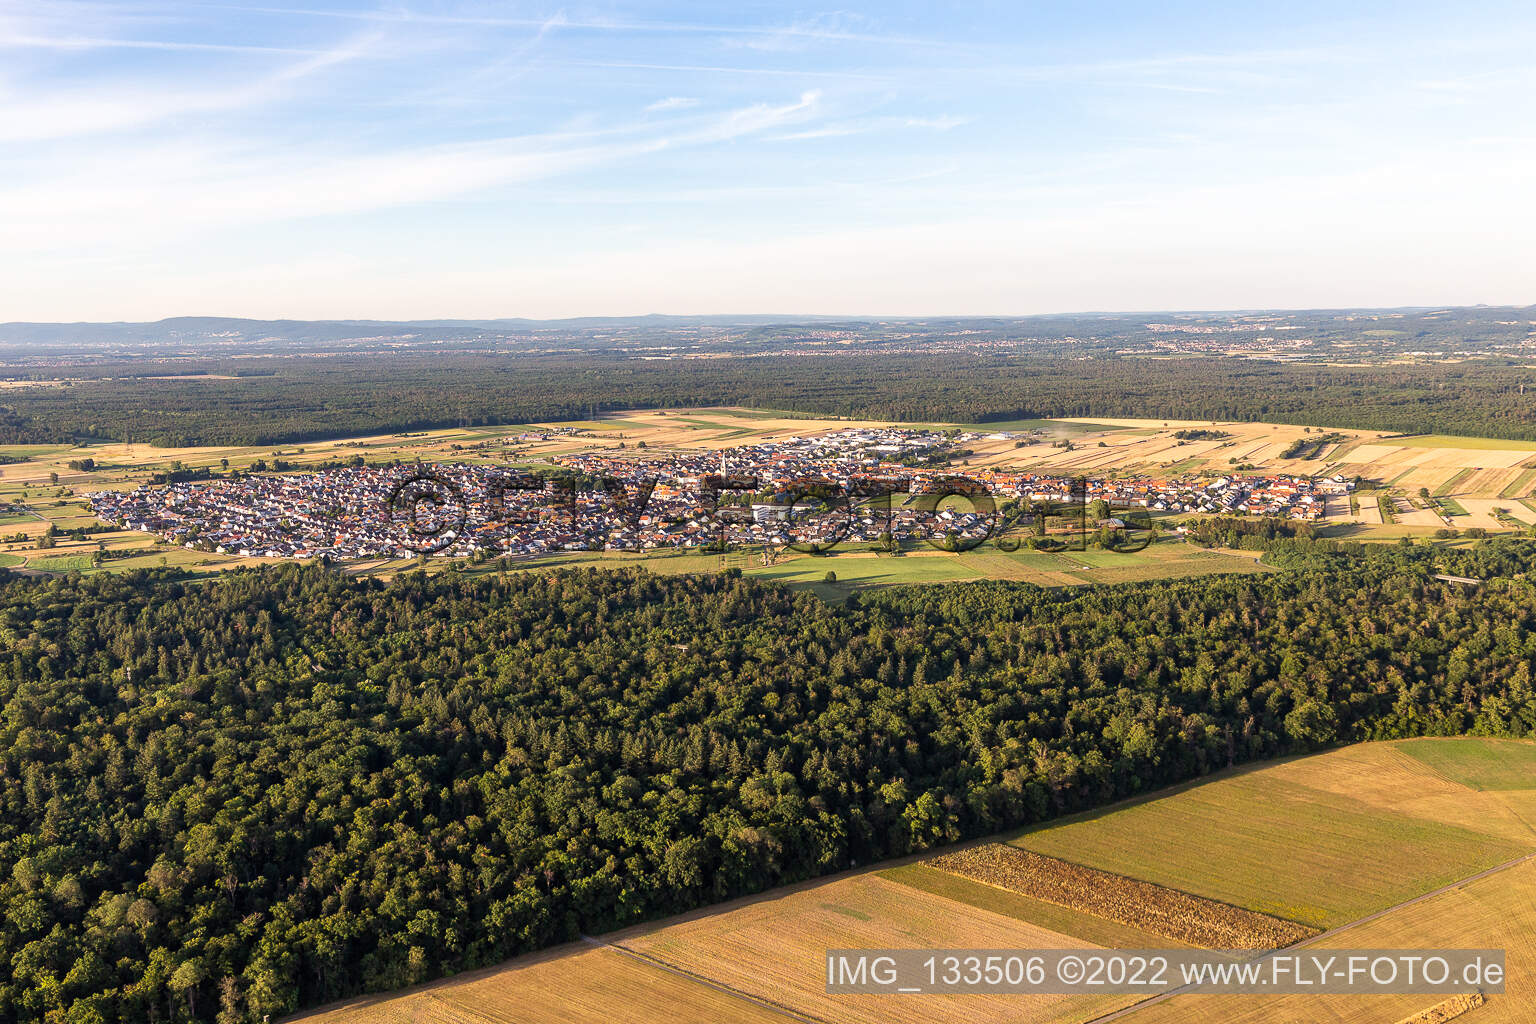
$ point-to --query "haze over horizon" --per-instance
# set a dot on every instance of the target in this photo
(449, 159)
(745, 317)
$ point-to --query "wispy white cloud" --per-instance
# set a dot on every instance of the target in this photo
(725, 69)
(828, 131)
(468, 87)
(827, 27)
(863, 125)
(70, 25)
(672, 103)
(942, 124)
(183, 190)
(113, 107)
(837, 26)
(20, 41)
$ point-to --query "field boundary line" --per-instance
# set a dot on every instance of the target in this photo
(456, 1010)
(1516, 812)
(1459, 883)
(660, 964)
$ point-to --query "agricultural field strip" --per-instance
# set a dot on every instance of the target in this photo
(1520, 486)
(659, 964)
(1449, 486)
(1171, 912)
(1330, 933)
(1076, 924)
(1446, 1010)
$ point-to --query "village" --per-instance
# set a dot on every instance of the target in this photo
(877, 485)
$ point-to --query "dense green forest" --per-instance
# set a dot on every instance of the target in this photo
(224, 800)
(298, 399)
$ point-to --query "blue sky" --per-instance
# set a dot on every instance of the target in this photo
(478, 159)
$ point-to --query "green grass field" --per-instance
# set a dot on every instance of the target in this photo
(1099, 559)
(32, 451)
(61, 563)
(1482, 764)
(728, 429)
(1259, 840)
(129, 555)
(1373, 531)
(72, 522)
(859, 572)
(1193, 563)
(1468, 443)
(1520, 486)
(169, 557)
(857, 568)
(1449, 486)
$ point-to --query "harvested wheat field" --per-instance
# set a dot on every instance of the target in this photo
(1169, 912)
(570, 985)
(1406, 456)
(1480, 512)
(1409, 515)
(1494, 912)
(1490, 481)
(1150, 446)
(1437, 479)
(1336, 508)
(717, 427)
(776, 948)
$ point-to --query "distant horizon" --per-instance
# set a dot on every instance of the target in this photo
(860, 317)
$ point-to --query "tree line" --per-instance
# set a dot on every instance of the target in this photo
(299, 399)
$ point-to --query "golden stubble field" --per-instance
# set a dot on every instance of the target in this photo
(776, 948)
(576, 984)
(1498, 912)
